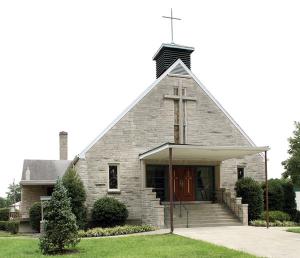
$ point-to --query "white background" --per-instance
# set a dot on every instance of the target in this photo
(75, 65)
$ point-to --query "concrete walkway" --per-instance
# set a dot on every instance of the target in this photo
(272, 242)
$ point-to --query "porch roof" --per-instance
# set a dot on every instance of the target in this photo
(200, 152)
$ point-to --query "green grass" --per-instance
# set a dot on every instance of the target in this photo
(294, 230)
(7, 234)
(172, 246)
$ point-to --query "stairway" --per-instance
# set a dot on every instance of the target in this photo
(200, 214)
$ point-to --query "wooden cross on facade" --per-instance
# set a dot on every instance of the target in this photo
(180, 114)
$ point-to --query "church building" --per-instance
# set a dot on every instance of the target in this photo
(174, 144)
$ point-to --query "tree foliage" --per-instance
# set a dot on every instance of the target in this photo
(289, 202)
(61, 230)
(77, 195)
(292, 164)
(13, 193)
(3, 202)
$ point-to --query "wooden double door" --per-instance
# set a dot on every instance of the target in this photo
(184, 183)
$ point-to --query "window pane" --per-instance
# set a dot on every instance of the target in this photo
(240, 173)
(113, 177)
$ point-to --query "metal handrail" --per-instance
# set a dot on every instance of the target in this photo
(187, 216)
(180, 212)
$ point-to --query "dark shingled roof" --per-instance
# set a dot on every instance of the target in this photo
(45, 169)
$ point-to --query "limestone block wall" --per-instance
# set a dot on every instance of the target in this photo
(29, 195)
(253, 167)
(148, 124)
(152, 211)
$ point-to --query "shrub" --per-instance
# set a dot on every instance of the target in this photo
(77, 194)
(276, 194)
(11, 226)
(35, 216)
(4, 214)
(3, 225)
(60, 223)
(252, 194)
(109, 212)
(276, 215)
(119, 230)
(277, 223)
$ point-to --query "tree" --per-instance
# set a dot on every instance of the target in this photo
(13, 194)
(289, 203)
(60, 223)
(292, 164)
(2, 202)
(77, 195)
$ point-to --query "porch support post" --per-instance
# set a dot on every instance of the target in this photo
(171, 191)
(267, 189)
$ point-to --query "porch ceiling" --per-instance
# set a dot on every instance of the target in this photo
(201, 153)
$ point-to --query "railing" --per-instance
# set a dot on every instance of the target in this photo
(235, 204)
(180, 211)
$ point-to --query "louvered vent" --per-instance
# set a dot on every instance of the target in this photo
(179, 70)
(168, 54)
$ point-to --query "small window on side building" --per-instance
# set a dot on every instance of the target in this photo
(240, 172)
(113, 176)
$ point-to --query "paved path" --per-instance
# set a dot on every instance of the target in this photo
(272, 242)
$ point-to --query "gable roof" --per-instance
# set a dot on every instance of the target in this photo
(43, 170)
(184, 71)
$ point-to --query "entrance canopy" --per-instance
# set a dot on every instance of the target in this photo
(200, 152)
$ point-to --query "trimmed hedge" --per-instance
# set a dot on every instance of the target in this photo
(119, 230)
(252, 194)
(276, 216)
(4, 214)
(11, 226)
(109, 212)
(35, 216)
(277, 223)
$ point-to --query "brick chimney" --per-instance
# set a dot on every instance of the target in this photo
(63, 145)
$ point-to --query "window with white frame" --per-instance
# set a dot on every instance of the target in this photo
(113, 176)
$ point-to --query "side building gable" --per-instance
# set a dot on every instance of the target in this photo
(178, 69)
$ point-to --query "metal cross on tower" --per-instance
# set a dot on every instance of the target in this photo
(171, 18)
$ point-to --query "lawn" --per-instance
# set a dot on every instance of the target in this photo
(294, 230)
(125, 247)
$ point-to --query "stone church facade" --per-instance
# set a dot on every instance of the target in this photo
(128, 160)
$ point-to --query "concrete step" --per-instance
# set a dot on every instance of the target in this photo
(194, 225)
(202, 215)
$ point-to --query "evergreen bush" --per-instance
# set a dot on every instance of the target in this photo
(252, 194)
(276, 194)
(35, 216)
(109, 212)
(60, 223)
(77, 195)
